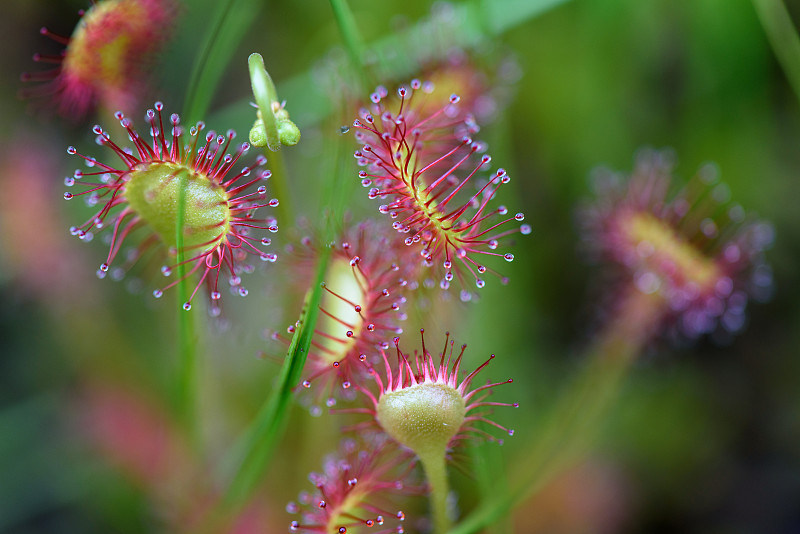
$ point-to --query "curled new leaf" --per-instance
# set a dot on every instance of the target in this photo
(272, 127)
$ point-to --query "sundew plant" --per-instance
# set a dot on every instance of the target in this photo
(346, 267)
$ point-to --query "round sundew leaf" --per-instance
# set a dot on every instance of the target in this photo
(153, 191)
(423, 417)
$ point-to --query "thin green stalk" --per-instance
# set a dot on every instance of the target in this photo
(349, 30)
(196, 92)
(187, 368)
(351, 36)
(783, 37)
(252, 454)
(229, 24)
(436, 473)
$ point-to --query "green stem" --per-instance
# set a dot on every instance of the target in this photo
(196, 101)
(783, 38)
(252, 454)
(229, 24)
(187, 373)
(351, 37)
(436, 473)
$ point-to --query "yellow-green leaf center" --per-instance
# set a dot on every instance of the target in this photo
(153, 191)
(423, 417)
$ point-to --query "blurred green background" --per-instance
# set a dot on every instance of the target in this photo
(701, 438)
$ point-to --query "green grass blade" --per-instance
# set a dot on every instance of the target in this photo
(230, 22)
(783, 37)
(351, 37)
(256, 447)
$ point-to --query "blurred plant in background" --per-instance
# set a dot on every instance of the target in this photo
(106, 59)
(640, 410)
